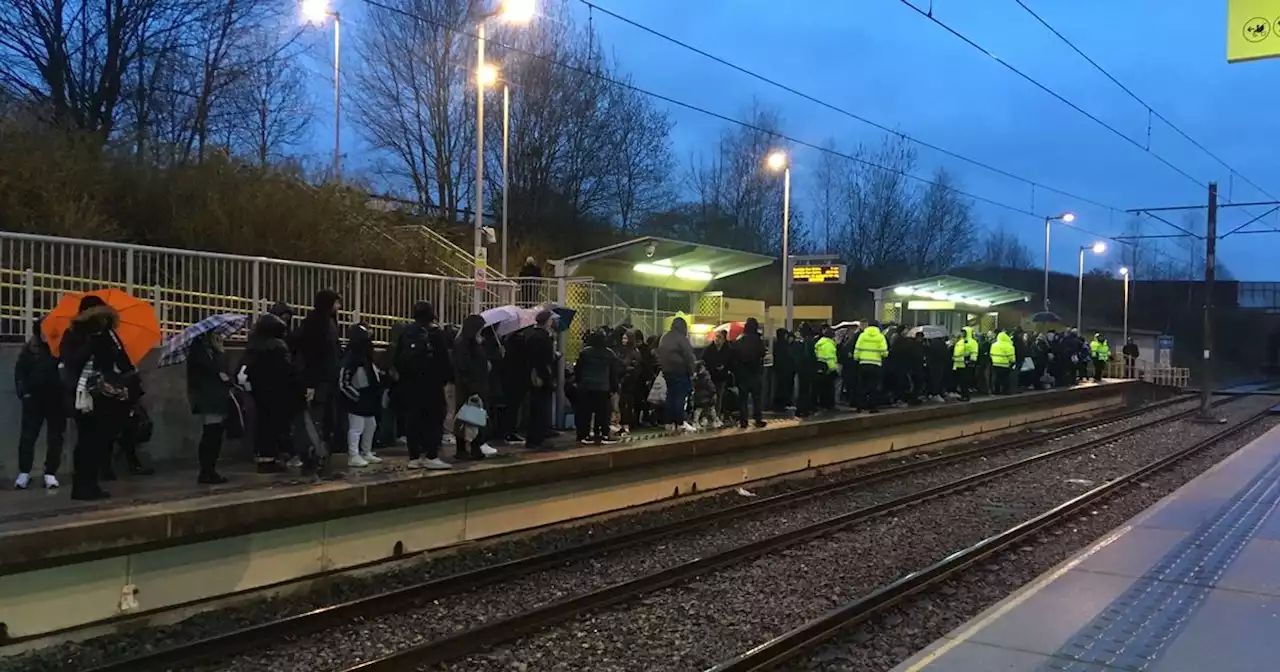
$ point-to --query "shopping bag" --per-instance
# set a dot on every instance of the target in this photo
(658, 393)
(472, 413)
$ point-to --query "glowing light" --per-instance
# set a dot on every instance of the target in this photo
(694, 274)
(903, 291)
(315, 11)
(487, 74)
(1068, 217)
(654, 269)
(517, 11)
(777, 160)
(1099, 247)
(1124, 271)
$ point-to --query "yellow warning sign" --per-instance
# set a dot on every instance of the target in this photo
(1252, 29)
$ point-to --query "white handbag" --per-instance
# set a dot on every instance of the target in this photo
(472, 413)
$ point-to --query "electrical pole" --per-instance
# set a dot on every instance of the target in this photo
(1210, 247)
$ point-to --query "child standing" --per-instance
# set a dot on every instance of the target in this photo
(361, 387)
(704, 398)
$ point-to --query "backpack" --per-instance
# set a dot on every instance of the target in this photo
(415, 352)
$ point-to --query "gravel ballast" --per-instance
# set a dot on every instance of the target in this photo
(451, 614)
(887, 641)
(698, 623)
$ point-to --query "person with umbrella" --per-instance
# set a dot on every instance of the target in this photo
(208, 385)
(35, 378)
(542, 358)
(317, 350)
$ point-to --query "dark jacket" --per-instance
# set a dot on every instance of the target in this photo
(470, 362)
(907, 353)
(422, 356)
(719, 358)
(704, 390)
(1130, 350)
(316, 343)
(360, 383)
(36, 374)
(92, 338)
(749, 350)
(675, 352)
(208, 385)
(541, 352)
(277, 387)
(597, 367)
(783, 358)
(494, 352)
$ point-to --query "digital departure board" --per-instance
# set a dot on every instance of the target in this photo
(818, 274)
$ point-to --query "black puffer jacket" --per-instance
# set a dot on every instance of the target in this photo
(597, 367)
(207, 380)
(470, 361)
(36, 374)
(278, 390)
(316, 343)
(749, 350)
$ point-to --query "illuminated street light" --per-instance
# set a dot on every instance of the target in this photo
(1064, 217)
(1127, 277)
(1068, 217)
(1098, 248)
(517, 11)
(778, 161)
(315, 12)
(487, 75)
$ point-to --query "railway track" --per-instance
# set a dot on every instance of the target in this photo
(462, 643)
(799, 641)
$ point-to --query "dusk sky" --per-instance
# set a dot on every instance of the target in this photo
(884, 61)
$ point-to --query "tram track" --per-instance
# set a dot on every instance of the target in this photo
(250, 638)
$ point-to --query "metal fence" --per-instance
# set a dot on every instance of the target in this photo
(187, 286)
(1145, 370)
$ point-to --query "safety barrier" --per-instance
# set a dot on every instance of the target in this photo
(1158, 374)
(187, 286)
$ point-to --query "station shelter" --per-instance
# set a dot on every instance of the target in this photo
(950, 302)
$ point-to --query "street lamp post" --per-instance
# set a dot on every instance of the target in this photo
(778, 161)
(1098, 248)
(1064, 217)
(506, 145)
(1124, 272)
(513, 11)
(316, 11)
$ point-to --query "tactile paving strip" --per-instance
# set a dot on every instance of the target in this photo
(1133, 631)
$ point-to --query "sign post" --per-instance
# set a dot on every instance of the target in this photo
(1252, 30)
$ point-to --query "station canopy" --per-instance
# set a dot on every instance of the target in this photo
(944, 289)
(661, 263)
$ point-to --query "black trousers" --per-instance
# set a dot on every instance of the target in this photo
(784, 388)
(964, 381)
(95, 434)
(210, 447)
(628, 406)
(593, 411)
(539, 416)
(1098, 365)
(424, 424)
(37, 413)
(826, 383)
(1001, 379)
(515, 396)
(805, 393)
(750, 389)
(869, 379)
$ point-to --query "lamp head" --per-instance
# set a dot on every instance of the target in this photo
(314, 11)
(1124, 271)
(517, 11)
(1099, 247)
(487, 74)
(1068, 217)
(776, 160)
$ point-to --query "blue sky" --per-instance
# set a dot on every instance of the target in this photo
(881, 60)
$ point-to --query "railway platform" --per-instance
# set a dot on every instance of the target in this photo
(167, 542)
(1189, 585)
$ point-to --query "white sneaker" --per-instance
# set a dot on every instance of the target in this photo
(436, 464)
(717, 424)
(294, 462)
(21, 482)
(419, 463)
(371, 458)
(671, 428)
(448, 440)
(488, 450)
(356, 461)
(687, 427)
(50, 481)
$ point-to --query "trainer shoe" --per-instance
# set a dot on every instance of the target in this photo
(488, 450)
(448, 440)
(21, 482)
(688, 427)
(436, 464)
(371, 458)
(294, 462)
(50, 481)
(356, 461)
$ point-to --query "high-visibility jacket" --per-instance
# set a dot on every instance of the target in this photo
(870, 348)
(960, 353)
(825, 351)
(1099, 349)
(1003, 354)
(970, 346)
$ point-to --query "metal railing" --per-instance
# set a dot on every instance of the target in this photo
(187, 286)
(1145, 370)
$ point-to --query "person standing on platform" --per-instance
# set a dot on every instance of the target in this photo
(595, 373)
(471, 379)
(631, 390)
(360, 390)
(514, 374)
(784, 371)
(209, 391)
(829, 366)
(719, 360)
(912, 358)
(277, 390)
(962, 365)
(530, 279)
(749, 352)
(869, 352)
(677, 361)
(35, 378)
(1003, 372)
(422, 369)
(318, 350)
(1100, 353)
(1131, 354)
(542, 380)
(807, 369)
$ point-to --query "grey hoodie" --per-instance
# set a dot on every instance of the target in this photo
(675, 352)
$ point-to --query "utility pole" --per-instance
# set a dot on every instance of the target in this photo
(1210, 248)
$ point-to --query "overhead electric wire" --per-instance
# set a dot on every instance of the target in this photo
(839, 110)
(1150, 110)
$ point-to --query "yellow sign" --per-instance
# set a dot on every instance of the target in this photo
(931, 305)
(817, 274)
(1253, 30)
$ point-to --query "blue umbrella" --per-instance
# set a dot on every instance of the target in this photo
(178, 347)
(564, 315)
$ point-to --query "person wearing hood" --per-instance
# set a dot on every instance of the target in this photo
(1131, 354)
(318, 351)
(784, 371)
(103, 386)
(824, 350)
(870, 351)
(596, 375)
(471, 378)
(209, 391)
(1041, 354)
(678, 363)
(631, 390)
(910, 354)
(964, 356)
(279, 395)
(749, 353)
(35, 378)
(422, 364)
(360, 389)
(808, 370)
(719, 359)
(1100, 353)
(530, 279)
(542, 358)
(1003, 357)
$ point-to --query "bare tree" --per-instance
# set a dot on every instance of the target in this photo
(1001, 248)
(832, 182)
(639, 178)
(272, 107)
(942, 227)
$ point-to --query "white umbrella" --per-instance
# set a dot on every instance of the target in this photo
(499, 315)
(524, 318)
(929, 331)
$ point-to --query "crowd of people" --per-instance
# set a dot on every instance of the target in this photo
(299, 394)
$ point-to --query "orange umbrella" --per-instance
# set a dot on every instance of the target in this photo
(139, 328)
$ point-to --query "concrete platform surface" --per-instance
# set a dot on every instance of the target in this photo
(40, 529)
(1190, 585)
